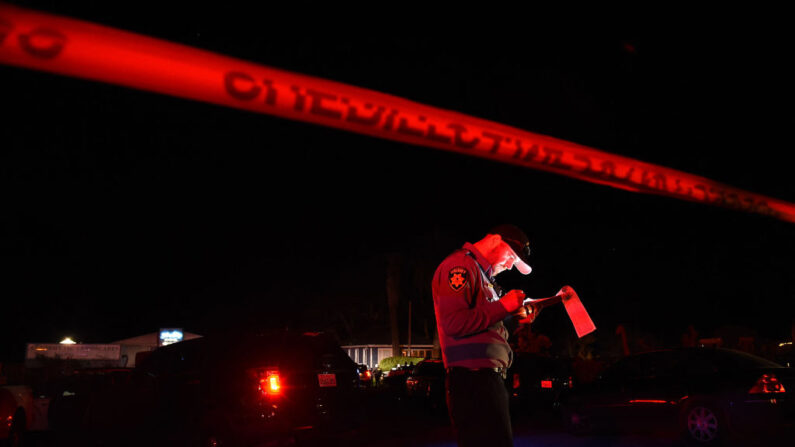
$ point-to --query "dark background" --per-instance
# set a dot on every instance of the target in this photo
(125, 211)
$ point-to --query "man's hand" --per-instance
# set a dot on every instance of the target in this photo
(512, 300)
(527, 313)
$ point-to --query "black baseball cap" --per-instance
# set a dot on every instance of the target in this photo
(517, 240)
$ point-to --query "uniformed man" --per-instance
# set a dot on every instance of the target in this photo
(474, 341)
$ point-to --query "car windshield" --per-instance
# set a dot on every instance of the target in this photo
(731, 359)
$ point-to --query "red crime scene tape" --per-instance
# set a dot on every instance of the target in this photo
(77, 48)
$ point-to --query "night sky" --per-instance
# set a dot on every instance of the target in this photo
(126, 211)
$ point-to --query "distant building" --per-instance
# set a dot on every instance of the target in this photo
(90, 355)
(372, 354)
(129, 347)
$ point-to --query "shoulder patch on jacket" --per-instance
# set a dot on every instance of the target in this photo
(457, 278)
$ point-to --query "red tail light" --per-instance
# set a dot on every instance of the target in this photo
(270, 383)
(767, 384)
(366, 375)
(546, 384)
(516, 381)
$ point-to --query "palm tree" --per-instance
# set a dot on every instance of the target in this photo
(394, 263)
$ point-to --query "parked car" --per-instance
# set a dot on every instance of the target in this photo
(24, 405)
(535, 382)
(235, 389)
(365, 375)
(16, 406)
(73, 394)
(707, 394)
(395, 380)
(425, 385)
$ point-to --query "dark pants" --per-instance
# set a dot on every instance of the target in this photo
(478, 406)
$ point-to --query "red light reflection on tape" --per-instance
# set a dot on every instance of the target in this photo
(77, 48)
